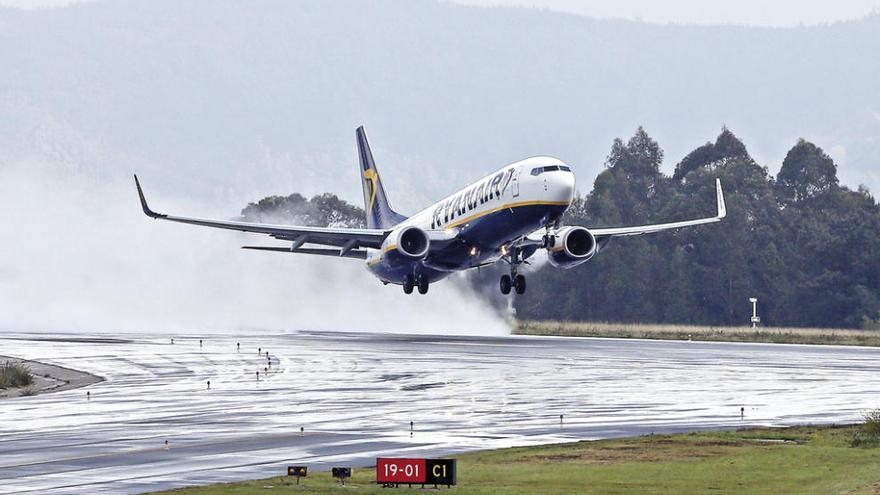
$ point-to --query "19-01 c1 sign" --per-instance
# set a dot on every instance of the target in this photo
(424, 471)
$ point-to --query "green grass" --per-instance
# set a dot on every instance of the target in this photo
(827, 336)
(808, 460)
(15, 375)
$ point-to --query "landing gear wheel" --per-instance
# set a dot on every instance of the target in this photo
(423, 284)
(505, 284)
(519, 283)
(408, 284)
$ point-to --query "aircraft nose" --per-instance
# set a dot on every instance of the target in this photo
(563, 186)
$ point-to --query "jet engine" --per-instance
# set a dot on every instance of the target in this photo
(411, 242)
(572, 246)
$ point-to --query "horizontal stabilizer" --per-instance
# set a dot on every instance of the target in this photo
(351, 253)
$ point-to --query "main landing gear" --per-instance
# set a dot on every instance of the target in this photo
(518, 282)
(420, 281)
(513, 281)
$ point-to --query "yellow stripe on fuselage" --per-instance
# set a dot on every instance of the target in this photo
(376, 260)
(504, 207)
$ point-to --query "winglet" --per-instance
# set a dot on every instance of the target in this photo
(721, 206)
(147, 211)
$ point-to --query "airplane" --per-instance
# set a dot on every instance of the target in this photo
(505, 216)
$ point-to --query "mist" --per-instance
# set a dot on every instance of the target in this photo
(217, 104)
(246, 89)
(79, 256)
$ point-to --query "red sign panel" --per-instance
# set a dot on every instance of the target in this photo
(400, 470)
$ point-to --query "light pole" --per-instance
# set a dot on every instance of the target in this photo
(755, 318)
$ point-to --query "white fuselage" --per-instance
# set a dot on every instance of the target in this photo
(497, 209)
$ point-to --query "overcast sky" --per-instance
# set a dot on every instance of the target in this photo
(751, 12)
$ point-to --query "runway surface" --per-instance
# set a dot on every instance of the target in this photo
(354, 395)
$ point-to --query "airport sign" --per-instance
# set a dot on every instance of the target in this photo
(400, 470)
(393, 471)
(341, 473)
(298, 471)
(440, 472)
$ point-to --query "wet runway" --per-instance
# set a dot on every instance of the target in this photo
(354, 395)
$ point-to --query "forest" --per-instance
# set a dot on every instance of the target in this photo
(803, 244)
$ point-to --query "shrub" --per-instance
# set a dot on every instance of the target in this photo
(14, 375)
(868, 435)
(872, 422)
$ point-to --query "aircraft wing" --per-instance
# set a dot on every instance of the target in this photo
(346, 239)
(721, 212)
(603, 235)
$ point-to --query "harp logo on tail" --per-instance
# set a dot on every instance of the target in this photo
(371, 180)
(379, 213)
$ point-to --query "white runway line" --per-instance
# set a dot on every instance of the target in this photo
(355, 394)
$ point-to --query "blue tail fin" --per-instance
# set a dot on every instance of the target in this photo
(379, 212)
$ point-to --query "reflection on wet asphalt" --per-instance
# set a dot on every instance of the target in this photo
(355, 394)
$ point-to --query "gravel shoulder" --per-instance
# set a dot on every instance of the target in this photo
(48, 378)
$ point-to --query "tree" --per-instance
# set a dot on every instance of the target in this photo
(726, 147)
(811, 262)
(321, 211)
(626, 190)
(807, 172)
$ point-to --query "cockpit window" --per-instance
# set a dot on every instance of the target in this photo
(549, 168)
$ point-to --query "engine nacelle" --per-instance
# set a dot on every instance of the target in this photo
(412, 243)
(573, 246)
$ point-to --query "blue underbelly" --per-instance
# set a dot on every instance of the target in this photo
(487, 233)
